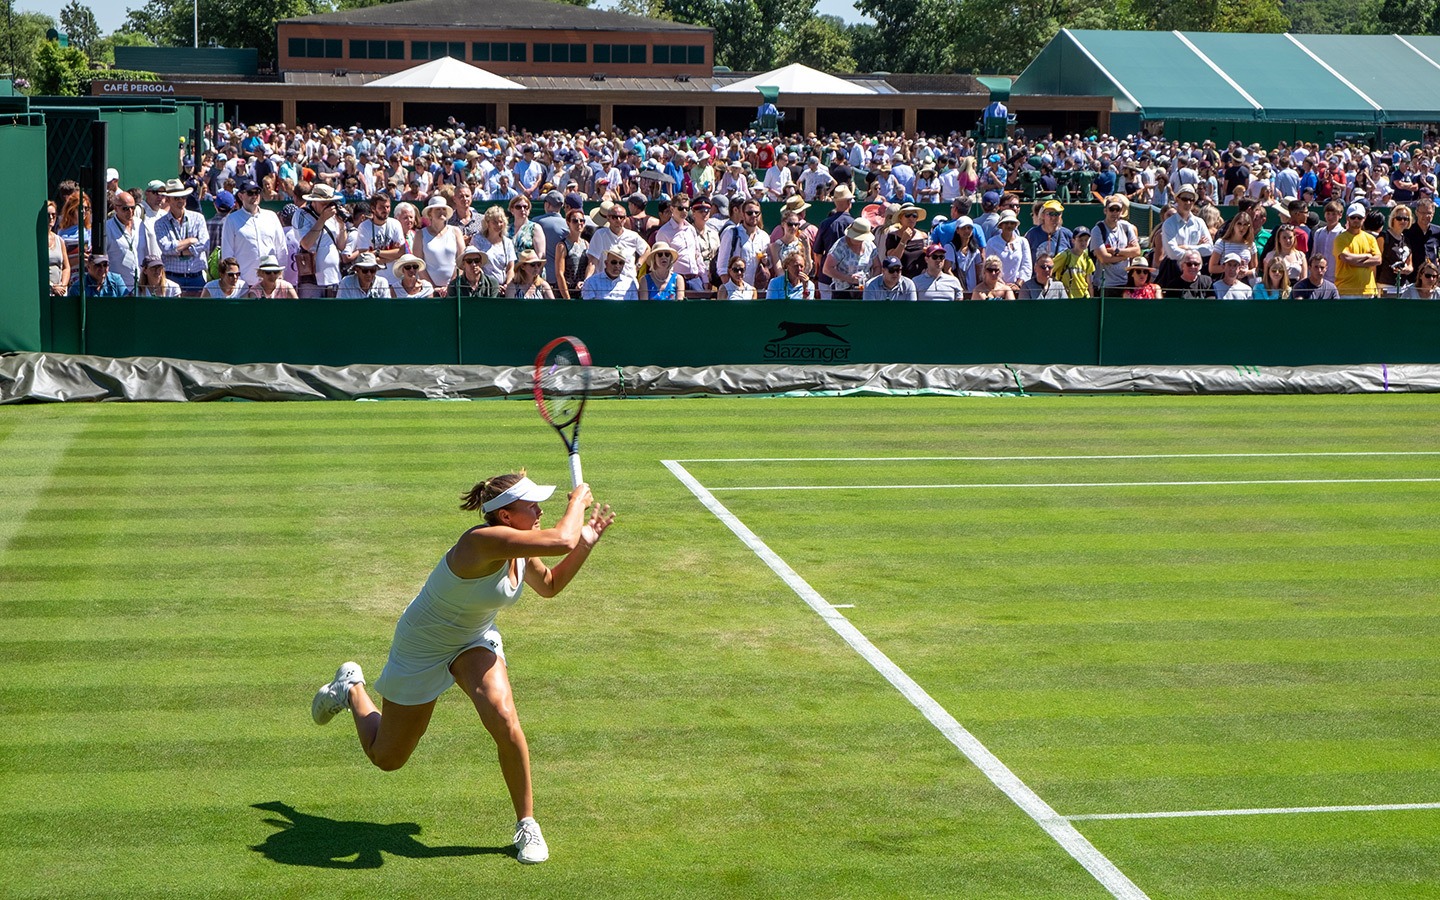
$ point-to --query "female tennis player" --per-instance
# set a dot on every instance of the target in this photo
(447, 634)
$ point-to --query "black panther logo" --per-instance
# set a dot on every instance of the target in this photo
(795, 329)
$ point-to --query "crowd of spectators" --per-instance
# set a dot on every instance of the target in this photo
(393, 213)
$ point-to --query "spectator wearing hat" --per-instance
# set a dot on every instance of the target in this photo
(815, 182)
(1114, 243)
(1050, 236)
(127, 241)
(830, 231)
(612, 281)
(552, 225)
(661, 281)
(152, 281)
(154, 205)
(96, 279)
(852, 261)
(906, 239)
(411, 285)
(250, 234)
(1141, 284)
(272, 286)
(365, 280)
(183, 239)
(1230, 286)
(891, 283)
(1011, 250)
(225, 204)
(935, 283)
(1075, 267)
(439, 244)
(1357, 255)
(733, 183)
(473, 280)
(230, 285)
(320, 240)
(701, 174)
(529, 282)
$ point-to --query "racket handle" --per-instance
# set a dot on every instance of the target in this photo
(575, 477)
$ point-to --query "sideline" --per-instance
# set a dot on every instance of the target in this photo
(1055, 825)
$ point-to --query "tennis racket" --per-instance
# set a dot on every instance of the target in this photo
(562, 383)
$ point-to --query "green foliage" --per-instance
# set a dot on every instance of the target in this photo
(749, 34)
(1332, 16)
(650, 9)
(103, 53)
(1408, 16)
(229, 23)
(1254, 16)
(20, 35)
(821, 42)
(79, 23)
(60, 71)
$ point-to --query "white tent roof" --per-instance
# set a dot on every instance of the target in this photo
(797, 79)
(445, 73)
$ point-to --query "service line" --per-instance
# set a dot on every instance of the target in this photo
(1067, 484)
(1059, 828)
(1046, 458)
(1277, 811)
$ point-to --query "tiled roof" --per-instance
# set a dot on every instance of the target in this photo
(542, 14)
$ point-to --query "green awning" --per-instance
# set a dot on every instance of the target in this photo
(1351, 79)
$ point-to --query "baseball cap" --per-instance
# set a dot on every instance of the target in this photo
(554, 198)
(892, 262)
(1233, 257)
(935, 248)
(990, 199)
(1356, 209)
(225, 201)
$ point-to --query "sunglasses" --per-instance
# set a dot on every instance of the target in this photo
(229, 274)
(911, 216)
(534, 265)
(737, 268)
(119, 208)
(892, 268)
(615, 216)
(614, 262)
(1111, 209)
(1190, 264)
(1045, 268)
(937, 256)
(411, 268)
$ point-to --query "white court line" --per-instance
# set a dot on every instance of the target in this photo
(1055, 825)
(1380, 807)
(1044, 458)
(1069, 484)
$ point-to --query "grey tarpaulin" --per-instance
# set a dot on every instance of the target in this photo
(49, 377)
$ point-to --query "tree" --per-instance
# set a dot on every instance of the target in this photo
(103, 53)
(20, 34)
(79, 23)
(821, 42)
(61, 71)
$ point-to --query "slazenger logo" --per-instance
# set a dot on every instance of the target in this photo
(816, 349)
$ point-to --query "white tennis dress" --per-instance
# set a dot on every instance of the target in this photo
(449, 616)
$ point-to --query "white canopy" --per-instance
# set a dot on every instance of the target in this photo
(445, 73)
(797, 79)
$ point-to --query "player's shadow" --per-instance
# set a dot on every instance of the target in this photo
(306, 840)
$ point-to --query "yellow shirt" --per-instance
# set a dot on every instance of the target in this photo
(1355, 281)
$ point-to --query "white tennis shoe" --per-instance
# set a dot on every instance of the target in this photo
(529, 842)
(335, 696)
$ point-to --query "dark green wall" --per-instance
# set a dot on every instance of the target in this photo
(507, 332)
(22, 228)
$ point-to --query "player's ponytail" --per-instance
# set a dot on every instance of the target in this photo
(488, 490)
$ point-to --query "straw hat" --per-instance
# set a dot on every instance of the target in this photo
(528, 256)
(176, 188)
(795, 203)
(436, 202)
(600, 215)
(321, 193)
(409, 259)
(860, 230)
(660, 247)
(909, 208)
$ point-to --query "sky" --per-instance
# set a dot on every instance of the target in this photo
(110, 14)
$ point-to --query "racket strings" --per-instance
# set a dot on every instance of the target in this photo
(564, 381)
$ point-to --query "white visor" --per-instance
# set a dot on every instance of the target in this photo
(524, 489)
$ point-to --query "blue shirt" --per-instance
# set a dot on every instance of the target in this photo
(111, 286)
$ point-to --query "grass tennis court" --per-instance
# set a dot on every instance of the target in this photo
(1213, 605)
